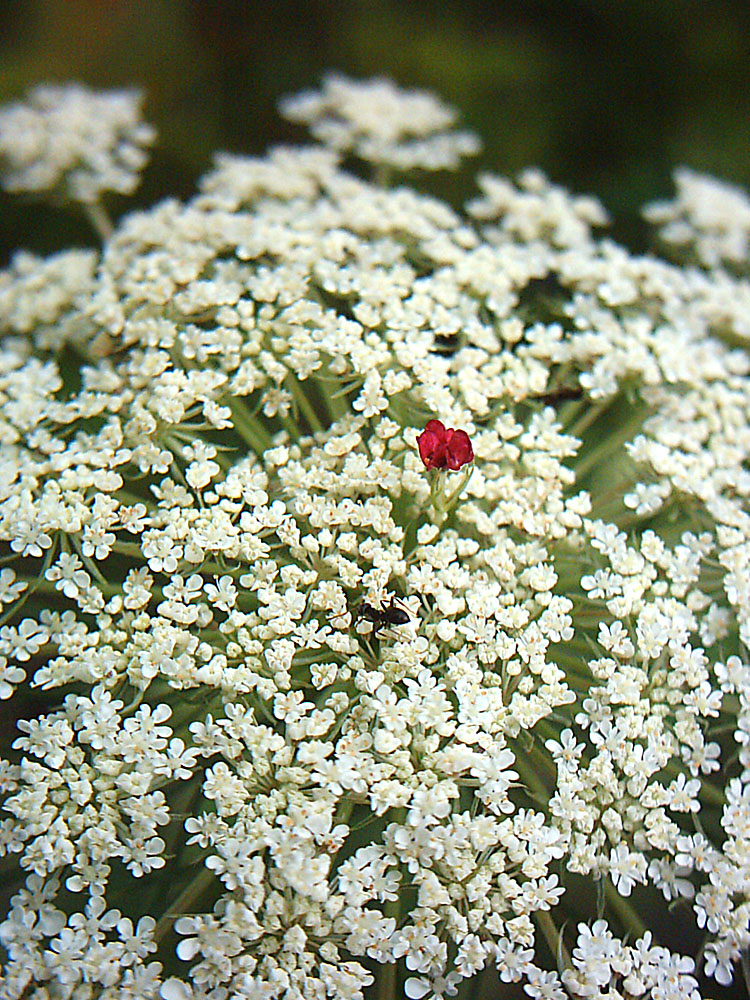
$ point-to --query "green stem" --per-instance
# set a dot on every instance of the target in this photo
(553, 937)
(97, 216)
(248, 427)
(625, 912)
(37, 583)
(387, 982)
(525, 767)
(89, 564)
(337, 406)
(573, 410)
(611, 443)
(587, 418)
(183, 903)
(305, 406)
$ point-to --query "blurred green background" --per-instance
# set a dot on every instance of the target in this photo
(607, 97)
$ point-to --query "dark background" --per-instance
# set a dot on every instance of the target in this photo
(607, 97)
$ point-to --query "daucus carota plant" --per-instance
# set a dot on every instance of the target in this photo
(382, 572)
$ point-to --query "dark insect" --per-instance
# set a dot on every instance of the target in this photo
(391, 614)
(561, 394)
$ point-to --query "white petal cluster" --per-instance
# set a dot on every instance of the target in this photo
(603, 965)
(535, 210)
(707, 217)
(383, 124)
(211, 496)
(74, 142)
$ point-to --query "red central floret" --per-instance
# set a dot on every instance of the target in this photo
(441, 447)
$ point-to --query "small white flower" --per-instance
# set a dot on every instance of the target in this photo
(626, 868)
(567, 752)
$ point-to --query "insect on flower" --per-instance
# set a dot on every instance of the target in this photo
(442, 447)
(380, 618)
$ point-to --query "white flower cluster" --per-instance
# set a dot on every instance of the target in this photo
(209, 517)
(708, 217)
(74, 142)
(380, 123)
(603, 966)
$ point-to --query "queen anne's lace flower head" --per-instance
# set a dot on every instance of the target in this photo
(384, 570)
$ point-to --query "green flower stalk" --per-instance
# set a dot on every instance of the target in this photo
(381, 572)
